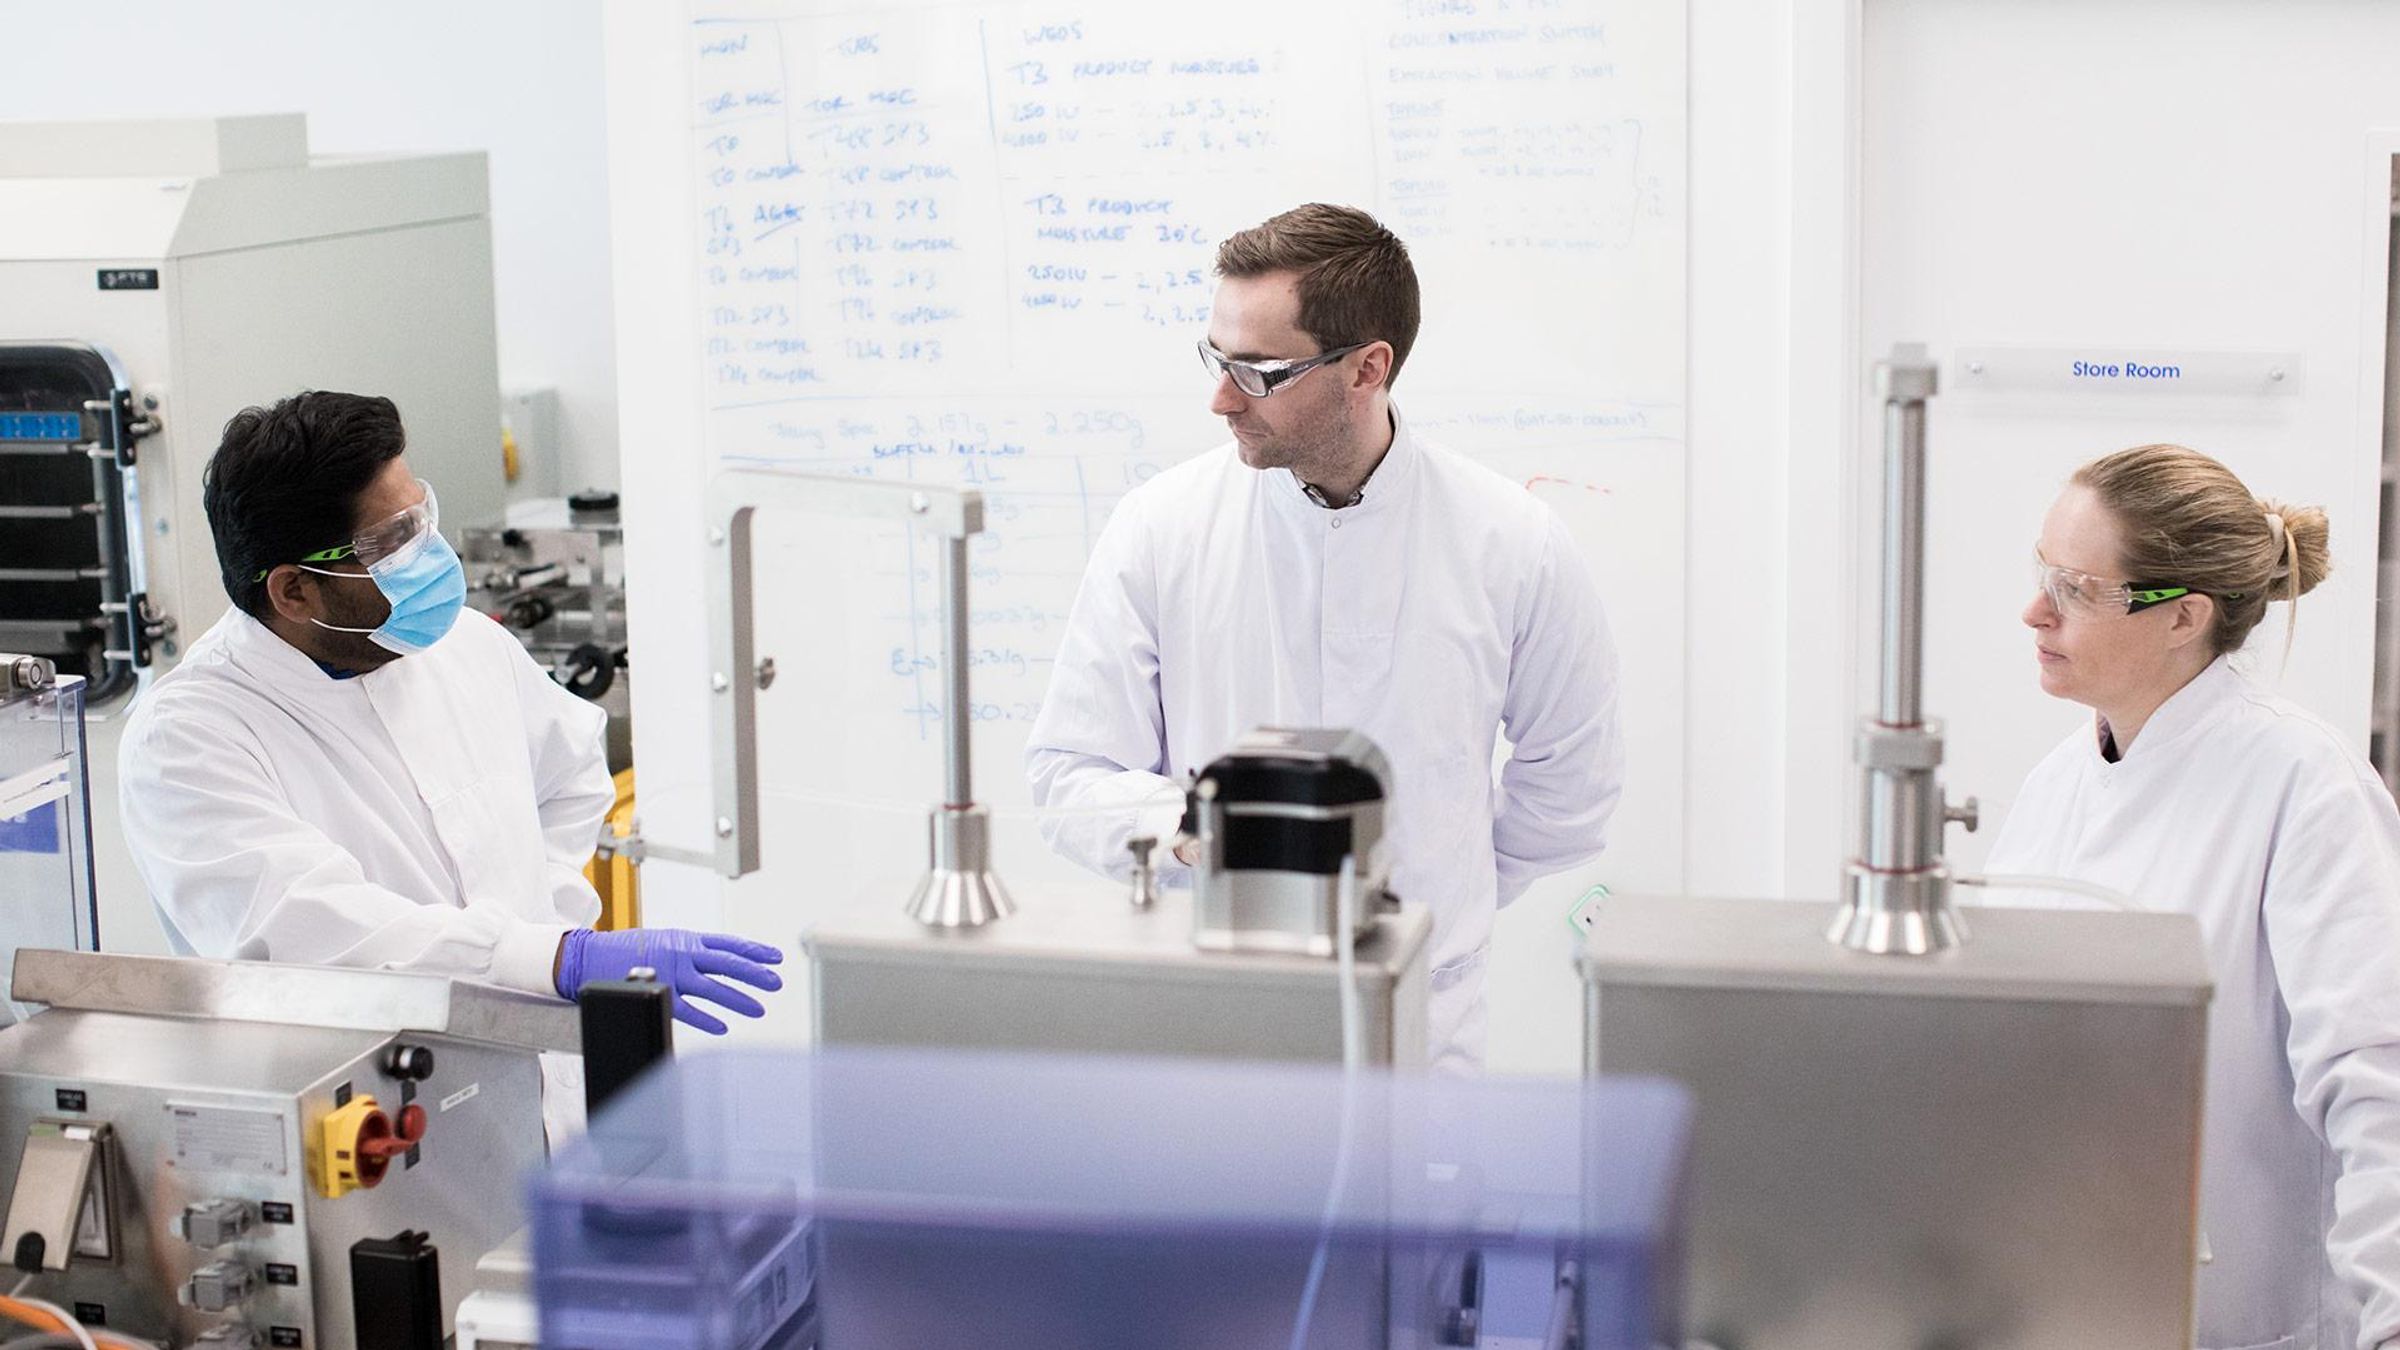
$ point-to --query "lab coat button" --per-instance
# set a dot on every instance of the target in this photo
(1337, 522)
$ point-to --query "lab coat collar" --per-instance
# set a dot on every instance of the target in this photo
(1390, 482)
(2185, 711)
(257, 652)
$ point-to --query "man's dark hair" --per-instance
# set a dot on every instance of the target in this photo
(286, 480)
(1356, 283)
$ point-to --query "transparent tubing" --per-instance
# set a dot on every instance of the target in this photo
(2091, 890)
(1353, 1060)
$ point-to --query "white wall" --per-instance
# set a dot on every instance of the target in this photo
(1773, 393)
(2174, 176)
(519, 79)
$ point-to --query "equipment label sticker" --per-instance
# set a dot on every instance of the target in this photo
(463, 1095)
(228, 1139)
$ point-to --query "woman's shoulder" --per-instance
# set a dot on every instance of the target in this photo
(2278, 737)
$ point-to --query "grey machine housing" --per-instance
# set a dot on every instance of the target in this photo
(192, 1097)
(1241, 967)
(1997, 1147)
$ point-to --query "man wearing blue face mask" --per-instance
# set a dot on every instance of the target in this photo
(352, 769)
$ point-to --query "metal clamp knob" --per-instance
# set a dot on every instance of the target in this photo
(1968, 813)
(1145, 875)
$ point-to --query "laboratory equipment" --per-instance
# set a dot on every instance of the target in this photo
(1273, 820)
(1244, 965)
(753, 1200)
(276, 1155)
(160, 276)
(1258, 977)
(1076, 974)
(1896, 895)
(1904, 1136)
(45, 813)
(554, 575)
(959, 889)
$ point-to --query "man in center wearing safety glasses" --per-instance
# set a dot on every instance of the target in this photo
(1327, 567)
(352, 769)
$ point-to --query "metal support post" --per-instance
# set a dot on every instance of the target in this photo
(959, 889)
(1896, 897)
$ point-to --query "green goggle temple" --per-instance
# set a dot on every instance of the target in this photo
(334, 554)
(2141, 598)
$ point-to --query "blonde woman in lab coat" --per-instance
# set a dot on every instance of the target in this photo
(2195, 789)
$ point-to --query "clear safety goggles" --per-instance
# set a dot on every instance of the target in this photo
(392, 537)
(1261, 378)
(2082, 594)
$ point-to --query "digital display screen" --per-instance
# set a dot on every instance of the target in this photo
(40, 426)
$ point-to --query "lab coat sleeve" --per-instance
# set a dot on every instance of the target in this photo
(239, 874)
(1100, 739)
(1567, 768)
(2332, 917)
(566, 744)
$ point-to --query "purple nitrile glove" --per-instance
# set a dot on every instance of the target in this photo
(684, 960)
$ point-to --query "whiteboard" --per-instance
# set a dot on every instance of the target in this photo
(971, 243)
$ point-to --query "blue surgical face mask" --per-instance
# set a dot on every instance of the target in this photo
(427, 587)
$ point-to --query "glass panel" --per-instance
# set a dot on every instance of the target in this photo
(45, 829)
(915, 1198)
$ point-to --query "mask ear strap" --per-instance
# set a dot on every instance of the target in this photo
(335, 627)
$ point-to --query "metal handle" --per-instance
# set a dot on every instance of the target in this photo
(734, 497)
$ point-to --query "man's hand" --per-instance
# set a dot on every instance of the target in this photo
(1187, 851)
(684, 960)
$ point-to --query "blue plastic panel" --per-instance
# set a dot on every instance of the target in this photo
(909, 1198)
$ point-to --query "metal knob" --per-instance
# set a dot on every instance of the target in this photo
(29, 674)
(1145, 875)
(1968, 813)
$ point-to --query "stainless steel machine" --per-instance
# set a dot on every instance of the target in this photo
(555, 577)
(1291, 949)
(1908, 1133)
(235, 1154)
(1250, 963)
(160, 276)
(1113, 979)
(1282, 823)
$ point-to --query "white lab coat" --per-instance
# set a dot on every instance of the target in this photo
(433, 815)
(2246, 812)
(1446, 605)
